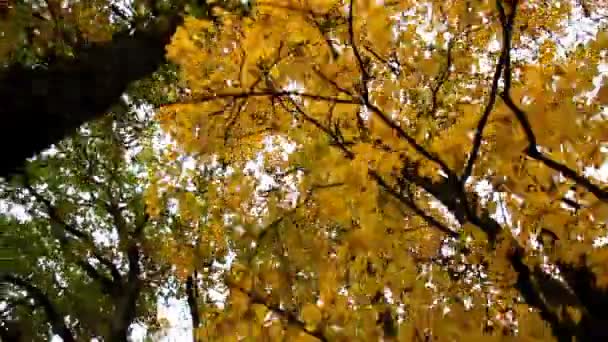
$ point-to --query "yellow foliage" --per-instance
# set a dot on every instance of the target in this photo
(311, 314)
(395, 136)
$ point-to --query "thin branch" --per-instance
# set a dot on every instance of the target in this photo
(503, 63)
(350, 155)
(339, 141)
(270, 93)
(532, 150)
(289, 316)
(117, 11)
(356, 52)
(417, 147)
(331, 81)
(116, 276)
(327, 40)
(107, 284)
(383, 116)
(443, 77)
(395, 69)
(55, 217)
(412, 206)
(273, 93)
(585, 8)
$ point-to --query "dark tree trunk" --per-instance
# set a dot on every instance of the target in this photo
(126, 303)
(126, 311)
(192, 295)
(40, 106)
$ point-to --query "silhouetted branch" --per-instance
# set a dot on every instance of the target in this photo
(533, 152)
(192, 295)
(55, 319)
(443, 77)
(46, 103)
(56, 218)
(412, 206)
(503, 63)
(289, 316)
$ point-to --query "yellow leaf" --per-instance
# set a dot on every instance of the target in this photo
(311, 314)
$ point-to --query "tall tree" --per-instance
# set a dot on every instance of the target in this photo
(400, 113)
(82, 261)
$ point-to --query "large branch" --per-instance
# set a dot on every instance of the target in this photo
(532, 150)
(126, 311)
(53, 316)
(42, 105)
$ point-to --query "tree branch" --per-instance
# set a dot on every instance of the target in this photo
(503, 63)
(412, 206)
(290, 317)
(533, 152)
(55, 217)
(192, 295)
(443, 77)
(47, 103)
(53, 316)
(383, 116)
(270, 93)
(356, 52)
(350, 155)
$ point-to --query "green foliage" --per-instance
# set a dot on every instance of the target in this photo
(85, 242)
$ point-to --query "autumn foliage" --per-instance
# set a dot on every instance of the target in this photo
(426, 169)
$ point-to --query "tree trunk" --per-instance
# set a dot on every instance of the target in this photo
(192, 295)
(42, 105)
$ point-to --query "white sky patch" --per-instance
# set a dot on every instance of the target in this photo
(388, 295)
(15, 210)
(105, 238)
(177, 315)
(126, 6)
(446, 214)
(50, 152)
(447, 249)
(138, 332)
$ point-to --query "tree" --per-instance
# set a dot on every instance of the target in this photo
(395, 133)
(83, 262)
(65, 66)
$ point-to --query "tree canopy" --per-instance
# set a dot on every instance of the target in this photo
(80, 256)
(332, 170)
(425, 168)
